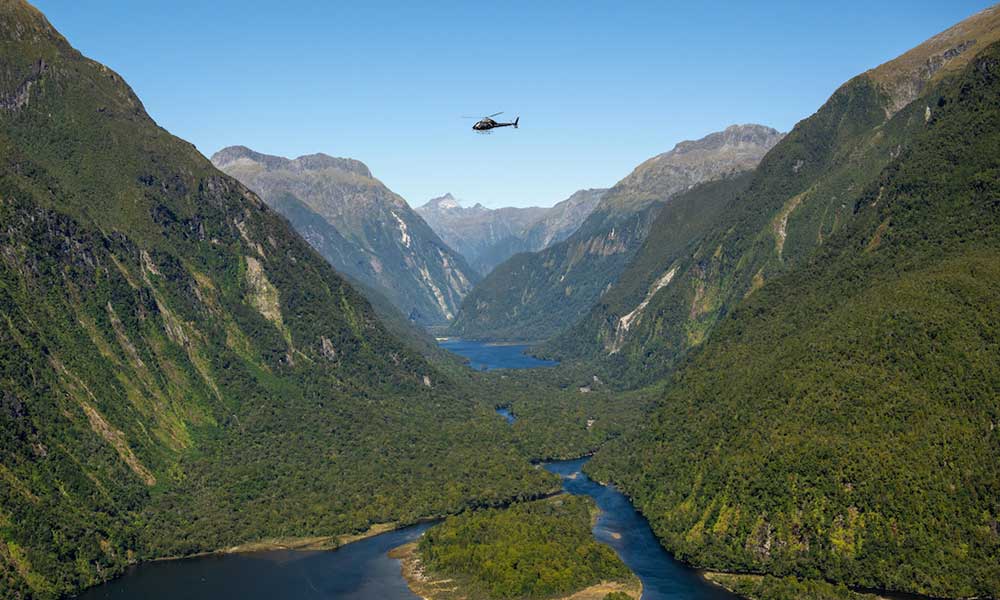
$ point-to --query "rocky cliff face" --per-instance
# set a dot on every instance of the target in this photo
(364, 229)
(560, 221)
(537, 295)
(487, 237)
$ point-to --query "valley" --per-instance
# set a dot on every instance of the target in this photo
(366, 568)
(762, 364)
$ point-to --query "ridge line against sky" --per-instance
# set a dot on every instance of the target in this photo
(599, 87)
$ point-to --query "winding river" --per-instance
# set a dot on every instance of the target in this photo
(362, 570)
(628, 533)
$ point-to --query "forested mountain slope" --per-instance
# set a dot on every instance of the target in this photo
(842, 422)
(364, 229)
(714, 245)
(534, 296)
(179, 370)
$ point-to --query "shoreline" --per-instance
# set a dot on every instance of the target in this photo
(321, 543)
(316, 543)
(420, 584)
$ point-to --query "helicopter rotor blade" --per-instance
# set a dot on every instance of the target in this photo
(494, 114)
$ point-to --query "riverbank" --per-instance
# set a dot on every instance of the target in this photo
(429, 587)
(304, 543)
(329, 542)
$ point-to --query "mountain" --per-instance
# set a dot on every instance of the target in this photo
(487, 237)
(179, 370)
(365, 230)
(562, 219)
(534, 296)
(713, 245)
(484, 236)
(841, 417)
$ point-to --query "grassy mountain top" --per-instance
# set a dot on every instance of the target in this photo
(309, 162)
(339, 189)
(905, 77)
(734, 149)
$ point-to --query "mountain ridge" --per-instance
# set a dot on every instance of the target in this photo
(489, 236)
(370, 233)
(836, 422)
(800, 188)
(519, 299)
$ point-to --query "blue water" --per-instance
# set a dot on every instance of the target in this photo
(363, 571)
(662, 577)
(487, 356)
(357, 571)
(505, 413)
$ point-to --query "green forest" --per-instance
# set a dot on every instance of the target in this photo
(180, 371)
(837, 423)
(768, 587)
(540, 549)
(809, 405)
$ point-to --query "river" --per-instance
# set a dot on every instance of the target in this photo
(362, 570)
(628, 533)
(504, 412)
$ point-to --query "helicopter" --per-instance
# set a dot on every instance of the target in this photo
(487, 123)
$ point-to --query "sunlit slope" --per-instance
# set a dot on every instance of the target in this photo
(179, 370)
(842, 421)
(711, 247)
(360, 226)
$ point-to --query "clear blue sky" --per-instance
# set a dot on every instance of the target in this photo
(599, 86)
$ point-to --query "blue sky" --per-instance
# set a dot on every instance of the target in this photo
(599, 86)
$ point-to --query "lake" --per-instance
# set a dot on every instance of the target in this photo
(357, 571)
(488, 356)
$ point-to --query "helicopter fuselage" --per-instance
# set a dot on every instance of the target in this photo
(488, 123)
